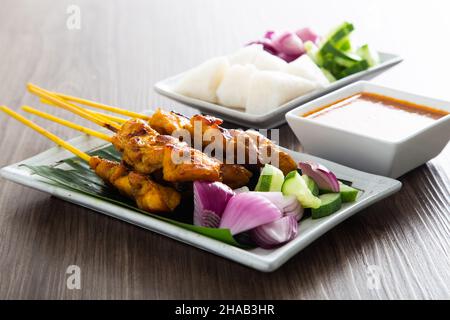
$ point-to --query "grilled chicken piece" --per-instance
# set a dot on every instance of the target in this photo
(167, 122)
(235, 176)
(139, 146)
(149, 195)
(285, 161)
(182, 163)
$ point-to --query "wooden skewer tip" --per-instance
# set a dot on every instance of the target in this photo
(46, 133)
(67, 123)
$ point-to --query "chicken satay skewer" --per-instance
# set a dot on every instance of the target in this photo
(68, 124)
(124, 140)
(166, 123)
(149, 195)
(144, 149)
(120, 144)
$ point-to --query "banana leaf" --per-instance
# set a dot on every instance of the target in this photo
(81, 178)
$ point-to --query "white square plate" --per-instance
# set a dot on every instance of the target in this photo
(276, 117)
(375, 188)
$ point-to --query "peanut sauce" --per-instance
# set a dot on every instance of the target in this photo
(376, 115)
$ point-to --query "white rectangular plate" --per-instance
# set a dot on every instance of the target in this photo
(375, 188)
(277, 116)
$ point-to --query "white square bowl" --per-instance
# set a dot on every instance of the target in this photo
(370, 153)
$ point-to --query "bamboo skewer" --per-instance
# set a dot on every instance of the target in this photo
(109, 117)
(96, 113)
(66, 123)
(72, 108)
(47, 134)
(102, 106)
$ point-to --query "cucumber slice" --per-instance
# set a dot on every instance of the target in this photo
(271, 179)
(312, 186)
(371, 56)
(295, 185)
(312, 51)
(357, 67)
(345, 59)
(348, 194)
(330, 203)
(340, 33)
(328, 75)
(345, 45)
(348, 61)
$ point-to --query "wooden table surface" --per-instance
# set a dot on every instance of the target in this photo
(120, 51)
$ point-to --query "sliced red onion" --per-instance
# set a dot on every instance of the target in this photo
(246, 211)
(210, 200)
(324, 178)
(287, 57)
(267, 45)
(306, 34)
(288, 205)
(269, 34)
(275, 233)
(289, 44)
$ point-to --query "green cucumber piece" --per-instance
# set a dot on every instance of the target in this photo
(328, 75)
(330, 203)
(312, 185)
(348, 194)
(340, 33)
(357, 67)
(312, 51)
(345, 45)
(270, 179)
(295, 185)
(334, 68)
(331, 53)
(346, 62)
(371, 56)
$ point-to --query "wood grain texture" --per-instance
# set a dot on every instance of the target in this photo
(121, 50)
